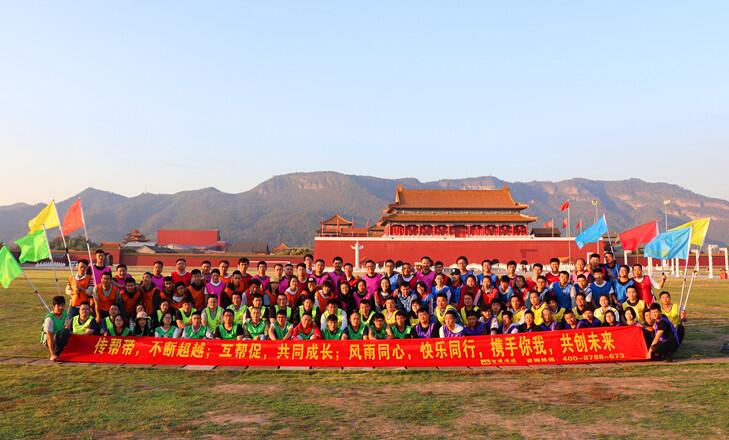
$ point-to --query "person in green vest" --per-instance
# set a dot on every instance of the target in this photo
(108, 322)
(281, 328)
(257, 303)
(83, 323)
(257, 326)
(166, 328)
(401, 329)
(55, 333)
(307, 306)
(120, 327)
(228, 330)
(356, 329)
(212, 314)
(195, 330)
(332, 331)
(185, 312)
(378, 328)
(282, 303)
(164, 307)
(366, 313)
(239, 310)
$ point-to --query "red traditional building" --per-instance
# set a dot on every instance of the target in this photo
(444, 224)
(455, 213)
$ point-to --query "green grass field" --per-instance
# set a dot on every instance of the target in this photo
(641, 400)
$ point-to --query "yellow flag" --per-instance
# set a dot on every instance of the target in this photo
(48, 217)
(699, 229)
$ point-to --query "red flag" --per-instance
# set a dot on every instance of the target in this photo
(549, 224)
(565, 206)
(564, 223)
(633, 238)
(579, 225)
(73, 220)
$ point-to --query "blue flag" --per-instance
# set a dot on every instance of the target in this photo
(593, 234)
(672, 244)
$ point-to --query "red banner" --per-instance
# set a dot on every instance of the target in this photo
(544, 348)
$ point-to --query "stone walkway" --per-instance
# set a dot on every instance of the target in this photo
(37, 361)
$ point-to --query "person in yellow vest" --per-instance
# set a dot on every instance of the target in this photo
(537, 307)
(185, 312)
(442, 307)
(212, 315)
(672, 312)
(468, 306)
(517, 309)
(334, 310)
(239, 310)
(84, 323)
(257, 301)
(55, 331)
(557, 311)
(581, 305)
(604, 308)
(637, 304)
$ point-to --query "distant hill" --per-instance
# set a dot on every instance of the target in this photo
(289, 207)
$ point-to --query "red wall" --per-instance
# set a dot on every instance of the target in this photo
(448, 250)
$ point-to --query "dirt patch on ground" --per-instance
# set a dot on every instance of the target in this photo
(253, 388)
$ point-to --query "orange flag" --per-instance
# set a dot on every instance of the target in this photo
(74, 219)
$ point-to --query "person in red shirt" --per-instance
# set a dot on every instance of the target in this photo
(243, 264)
(531, 282)
(181, 275)
(553, 274)
(306, 330)
(225, 276)
(644, 285)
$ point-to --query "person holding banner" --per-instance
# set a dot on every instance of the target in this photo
(356, 330)
(120, 327)
(305, 330)
(228, 330)
(79, 287)
(665, 340)
(451, 328)
(256, 327)
(55, 331)
(196, 330)
(280, 329)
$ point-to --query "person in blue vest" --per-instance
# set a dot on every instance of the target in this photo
(55, 328)
(665, 339)
(600, 287)
(562, 290)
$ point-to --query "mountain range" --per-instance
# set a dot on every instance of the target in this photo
(289, 207)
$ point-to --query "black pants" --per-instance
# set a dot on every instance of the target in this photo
(681, 332)
(664, 348)
(59, 340)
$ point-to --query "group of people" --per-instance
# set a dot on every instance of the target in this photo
(304, 301)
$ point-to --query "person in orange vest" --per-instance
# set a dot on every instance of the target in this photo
(149, 294)
(129, 297)
(105, 294)
(79, 287)
(196, 289)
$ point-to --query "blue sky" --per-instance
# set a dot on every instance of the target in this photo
(167, 96)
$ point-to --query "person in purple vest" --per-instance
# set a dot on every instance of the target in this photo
(474, 327)
(451, 328)
(665, 339)
(425, 274)
(426, 327)
(337, 275)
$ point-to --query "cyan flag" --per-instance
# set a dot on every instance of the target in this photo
(593, 234)
(672, 244)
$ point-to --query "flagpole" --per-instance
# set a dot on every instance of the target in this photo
(50, 255)
(88, 248)
(65, 246)
(685, 269)
(691, 283)
(32, 286)
(610, 241)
